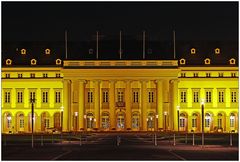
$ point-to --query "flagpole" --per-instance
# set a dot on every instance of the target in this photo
(66, 51)
(120, 44)
(174, 48)
(143, 44)
(97, 47)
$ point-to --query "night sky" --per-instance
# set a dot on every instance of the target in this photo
(46, 21)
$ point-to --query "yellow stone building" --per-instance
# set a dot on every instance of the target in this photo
(113, 95)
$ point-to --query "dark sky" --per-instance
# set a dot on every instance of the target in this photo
(46, 21)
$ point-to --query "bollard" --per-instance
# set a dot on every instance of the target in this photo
(155, 140)
(41, 140)
(80, 140)
(186, 138)
(230, 139)
(193, 142)
(174, 140)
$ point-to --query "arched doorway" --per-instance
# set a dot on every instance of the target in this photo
(183, 122)
(233, 122)
(195, 122)
(57, 120)
(45, 121)
(135, 121)
(120, 120)
(220, 122)
(90, 120)
(208, 122)
(7, 122)
(20, 122)
(105, 120)
(150, 121)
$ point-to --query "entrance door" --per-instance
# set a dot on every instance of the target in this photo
(120, 120)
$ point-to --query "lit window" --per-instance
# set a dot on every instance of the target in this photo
(33, 62)
(58, 75)
(120, 96)
(21, 120)
(194, 120)
(183, 96)
(193, 51)
(23, 51)
(208, 75)
(45, 75)
(32, 96)
(7, 75)
(195, 74)
(233, 75)
(58, 62)
(207, 61)
(220, 74)
(232, 120)
(19, 97)
(7, 97)
(234, 96)
(207, 120)
(232, 61)
(46, 123)
(150, 96)
(90, 97)
(32, 75)
(8, 62)
(135, 97)
(217, 51)
(47, 51)
(182, 61)
(105, 96)
(183, 75)
(221, 96)
(45, 97)
(195, 96)
(58, 97)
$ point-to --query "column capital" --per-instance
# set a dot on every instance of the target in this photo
(158, 80)
(82, 80)
(112, 81)
(144, 81)
(174, 80)
(97, 81)
(128, 81)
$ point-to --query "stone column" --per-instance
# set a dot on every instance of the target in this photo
(144, 104)
(128, 104)
(159, 103)
(81, 84)
(165, 94)
(66, 105)
(112, 104)
(97, 103)
(174, 103)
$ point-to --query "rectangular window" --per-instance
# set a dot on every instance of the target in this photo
(19, 75)
(232, 121)
(221, 96)
(234, 96)
(194, 123)
(32, 95)
(105, 96)
(120, 96)
(219, 123)
(135, 97)
(195, 96)
(58, 97)
(7, 97)
(150, 96)
(7, 75)
(58, 75)
(183, 96)
(32, 75)
(19, 97)
(182, 122)
(90, 97)
(195, 74)
(45, 97)
(21, 123)
(46, 123)
(233, 75)
(208, 75)
(220, 74)
(183, 74)
(208, 96)
(45, 75)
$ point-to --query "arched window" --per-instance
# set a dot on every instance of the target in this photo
(182, 61)
(90, 120)
(58, 61)
(220, 120)
(217, 51)
(120, 120)
(33, 62)
(23, 51)
(194, 120)
(193, 51)
(21, 121)
(105, 120)
(207, 61)
(47, 51)
(182, 120)
(207, 120)
(8, 62)
(232, 120)
(232, 61)
(9, 121)
(150, 120)
(135, 120)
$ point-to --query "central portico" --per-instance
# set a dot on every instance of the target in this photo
(120, 95)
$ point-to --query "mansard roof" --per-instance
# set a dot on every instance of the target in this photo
(108, 49)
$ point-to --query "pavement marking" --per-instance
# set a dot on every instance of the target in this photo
(65, 153)
(176, 155)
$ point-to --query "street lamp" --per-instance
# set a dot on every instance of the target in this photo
(165, 119)
(32, 100)
(178, 108)
(76, 115)
(157, 121)
(202, 106)
(62, 118)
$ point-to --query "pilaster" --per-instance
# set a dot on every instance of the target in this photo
(128, 104)
(144, 104)
(97, 102)
(81, 103)
(112, 104)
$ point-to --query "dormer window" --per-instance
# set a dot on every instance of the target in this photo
(182, 61)
(207, 61)
(232, 61)
(58, 62)
(23, 51)
(8, 62)
(33, 62)
(47, 51)
(193, 51)
(217, 51)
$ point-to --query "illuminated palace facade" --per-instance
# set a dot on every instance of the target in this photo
(127, 94)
